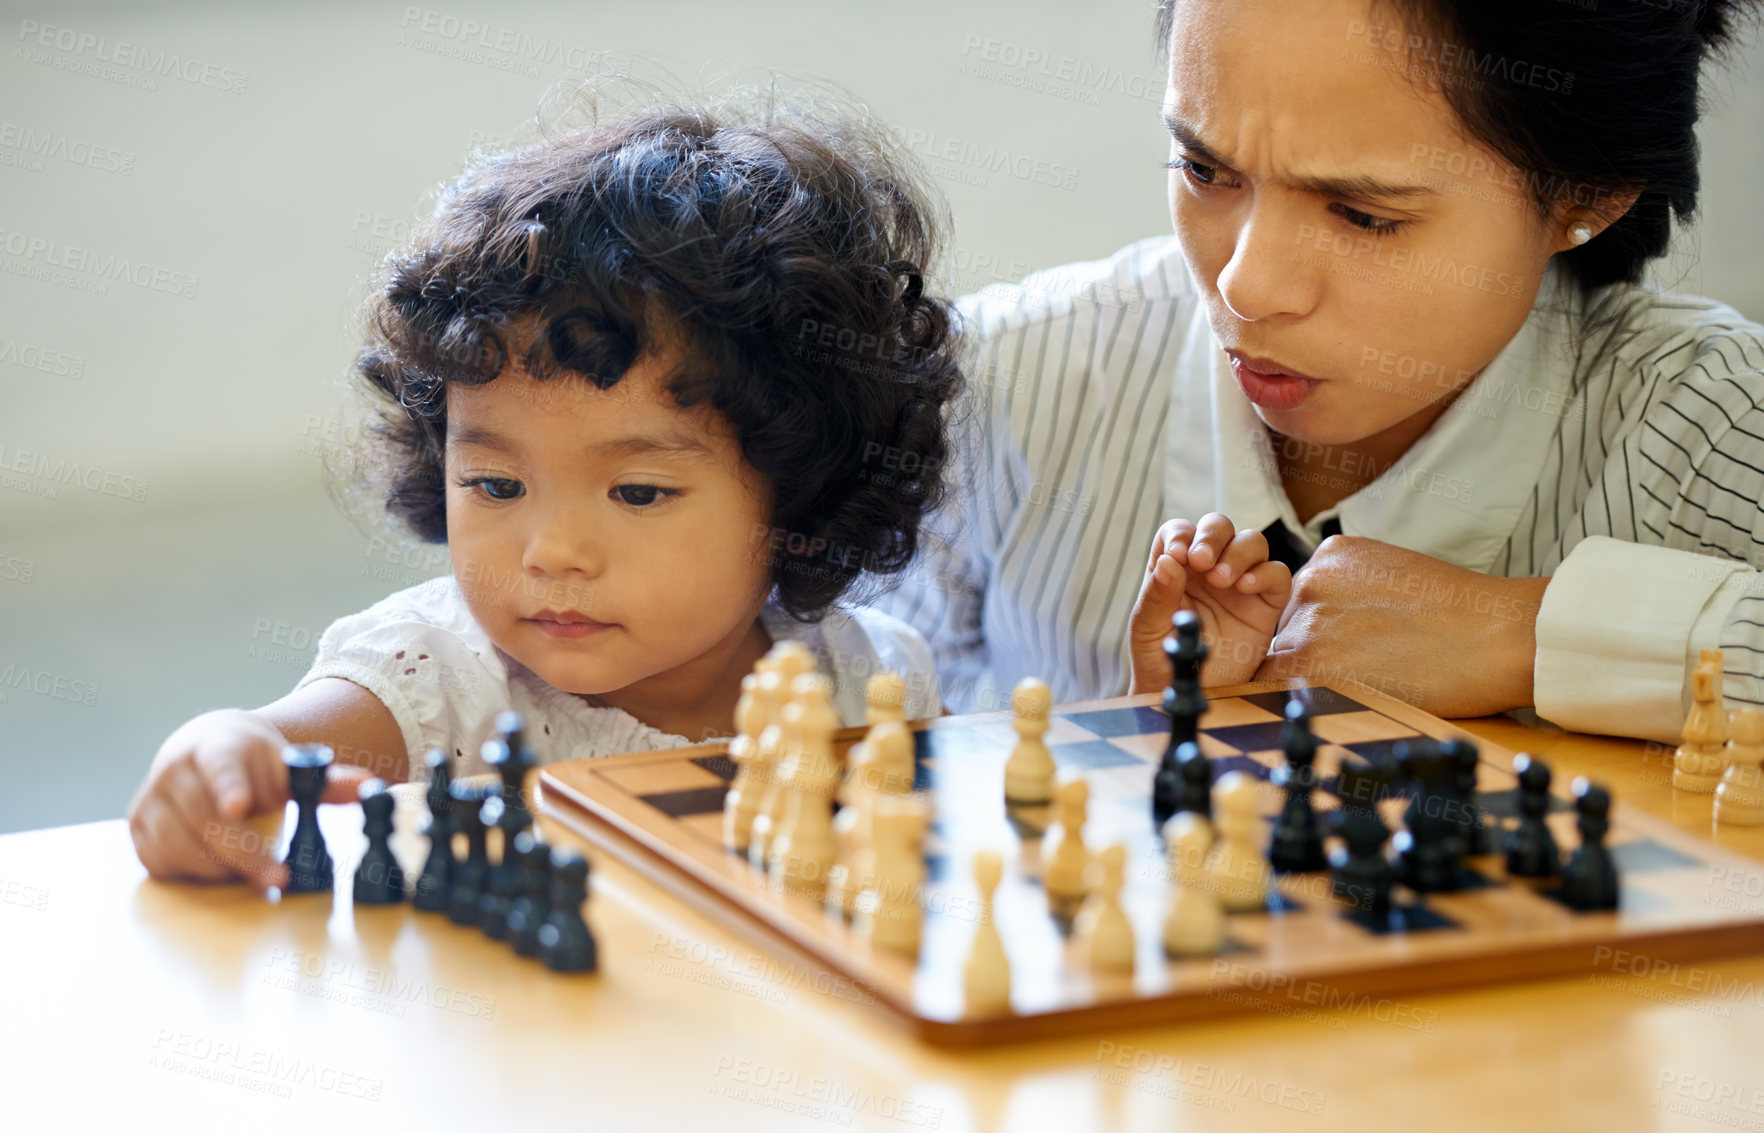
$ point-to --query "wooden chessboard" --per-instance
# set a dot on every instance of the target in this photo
(662, 813)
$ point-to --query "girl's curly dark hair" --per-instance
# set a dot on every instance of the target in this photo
(783, 255)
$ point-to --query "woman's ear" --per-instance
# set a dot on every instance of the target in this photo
(1580, 224)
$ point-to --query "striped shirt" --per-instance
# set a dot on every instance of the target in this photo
(1616, 444)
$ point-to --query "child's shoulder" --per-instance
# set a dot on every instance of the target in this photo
(435, 602)
(853, 644)
(428, 661)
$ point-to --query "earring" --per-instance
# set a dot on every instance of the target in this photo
(1580, 234)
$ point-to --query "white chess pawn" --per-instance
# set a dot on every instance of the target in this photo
(792, 659)
(761, 697)
(1701, 757)
(1102, 926)
(884, 698)
(986, 976)
(883, 762)
(1064, 879)
(889, 750)
(854, 867)
(890, 911)
(1739, 800)
(1195, 924)
(1236, 867)
(775, 758)
(1029, 773)
(801, 851)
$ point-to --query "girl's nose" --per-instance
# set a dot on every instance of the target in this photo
(560, 545)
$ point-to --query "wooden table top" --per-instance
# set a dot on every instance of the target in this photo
(154, 1003)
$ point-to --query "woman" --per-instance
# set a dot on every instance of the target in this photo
(1400, 330)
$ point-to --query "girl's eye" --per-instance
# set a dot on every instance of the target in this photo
(642, 495)
(496, 487)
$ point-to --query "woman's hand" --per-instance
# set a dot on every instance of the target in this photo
(1450, 641)
(1225, 577)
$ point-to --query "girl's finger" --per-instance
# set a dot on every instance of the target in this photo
(1248, 548)
(171, 851)
(1172, 539)
(1273, 581)
(1212, 535)
(225, 849)
(1171, 575)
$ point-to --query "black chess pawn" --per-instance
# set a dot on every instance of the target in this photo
(1296, 843)
(378, 880)
(1590, 880)
(565, 942)
(1193, 778)
(309, 864)
(532, 902)
(511, 758)
(1472, 830)
(1194, 772)
(499, 883)
(1185, 703)
(435, 884)
(1531, 848)
(1360, 872)
(470, 875)
(1431, 849)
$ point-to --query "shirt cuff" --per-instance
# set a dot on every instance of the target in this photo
(1618, 632)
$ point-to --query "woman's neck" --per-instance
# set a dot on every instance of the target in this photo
(1316, 478)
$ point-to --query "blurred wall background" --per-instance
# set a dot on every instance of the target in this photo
(251, 190)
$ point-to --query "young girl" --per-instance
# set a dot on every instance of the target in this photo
(667, 388)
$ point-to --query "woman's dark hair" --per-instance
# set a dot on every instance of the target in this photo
(1591, 99)
(781, 254)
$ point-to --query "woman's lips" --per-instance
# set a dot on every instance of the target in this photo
(1272, 391)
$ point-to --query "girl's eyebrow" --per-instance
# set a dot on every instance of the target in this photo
(1359, 186)
(672, 443)
(479, 437)
(663, 444)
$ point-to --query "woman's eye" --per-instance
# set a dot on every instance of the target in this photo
(1208, 175)
(1195, 170)
(496, 487)
(1378, 225)
(642, 495)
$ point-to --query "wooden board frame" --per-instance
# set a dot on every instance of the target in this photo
(1311, 959)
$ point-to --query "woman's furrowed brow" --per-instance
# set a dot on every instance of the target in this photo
(1358, 185)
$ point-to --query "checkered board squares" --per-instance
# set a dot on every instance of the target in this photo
(663, 812)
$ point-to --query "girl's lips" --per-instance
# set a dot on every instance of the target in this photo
(1272, 391)
(569, 629)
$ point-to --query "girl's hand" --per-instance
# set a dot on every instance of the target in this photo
(1226, 578)
(212, 773)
